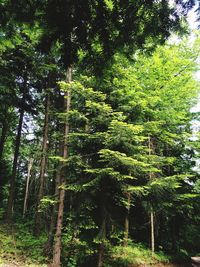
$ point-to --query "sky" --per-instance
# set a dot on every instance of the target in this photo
(192, 19)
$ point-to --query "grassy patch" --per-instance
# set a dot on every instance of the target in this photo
(135, 254)
(18, 245)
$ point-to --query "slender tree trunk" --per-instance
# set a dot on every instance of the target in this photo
(175, 233)
(55, 187)
(12, 188)
(152, 231)
(30, 163)
(126, 222)
(57, 243)
(151, 148)
(101, 245)
(38, 222)
(49, 244)
(3, 138)
(2, 144)
(102, 233)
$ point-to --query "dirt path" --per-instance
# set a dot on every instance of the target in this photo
(20, 265)
(9, 265)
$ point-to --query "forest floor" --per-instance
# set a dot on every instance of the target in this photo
(20, 265)
(165, 265)
(19, 248)
(155, 265)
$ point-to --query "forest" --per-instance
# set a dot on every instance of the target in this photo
(99, 133)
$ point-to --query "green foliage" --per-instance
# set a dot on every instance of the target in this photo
(75, 250)
(17, 244)
(135, 254)
(46, 202)
(129, 147)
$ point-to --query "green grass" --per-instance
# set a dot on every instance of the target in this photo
(135, 254)
(18, 245)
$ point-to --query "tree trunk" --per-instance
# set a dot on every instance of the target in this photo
(2, 143)
(57, 243)
(38, 222)
(12, 188)
(100, 255)
(152, 231)
(49, 244)
(102, 233)
(101, 245)
(126, 222)
(30, 163)
(151, 176)
(175, 233)
(3, 138)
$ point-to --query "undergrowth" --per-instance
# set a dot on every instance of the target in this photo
(17, 245)
(133, 255)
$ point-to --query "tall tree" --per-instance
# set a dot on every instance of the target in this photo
(16, 154)
(96, 29)
(42, 165)
(57, 246)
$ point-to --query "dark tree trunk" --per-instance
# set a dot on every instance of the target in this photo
(102, 233)
(126, 222)
(30, 164)
(12, 188)
(49, 244)
(175, 233)
(57, 241)
(101, 245)
(3, 138)
(2, 144)
(100, 255)
(38, 222)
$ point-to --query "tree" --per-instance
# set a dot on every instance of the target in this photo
(93, 32)
(19, 60)
(154, 93)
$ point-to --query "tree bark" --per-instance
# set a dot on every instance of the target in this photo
(2, 144)
(101, 245)
(151, 148)
(126, 222)
(3, 138)
(57, 244)
(152, 231)
(30, 163)
(38, 222)
(12, 188)
(175, 233)
(49, 244)
(102, 233)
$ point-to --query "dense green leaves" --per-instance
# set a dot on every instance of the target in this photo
(127, 132)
